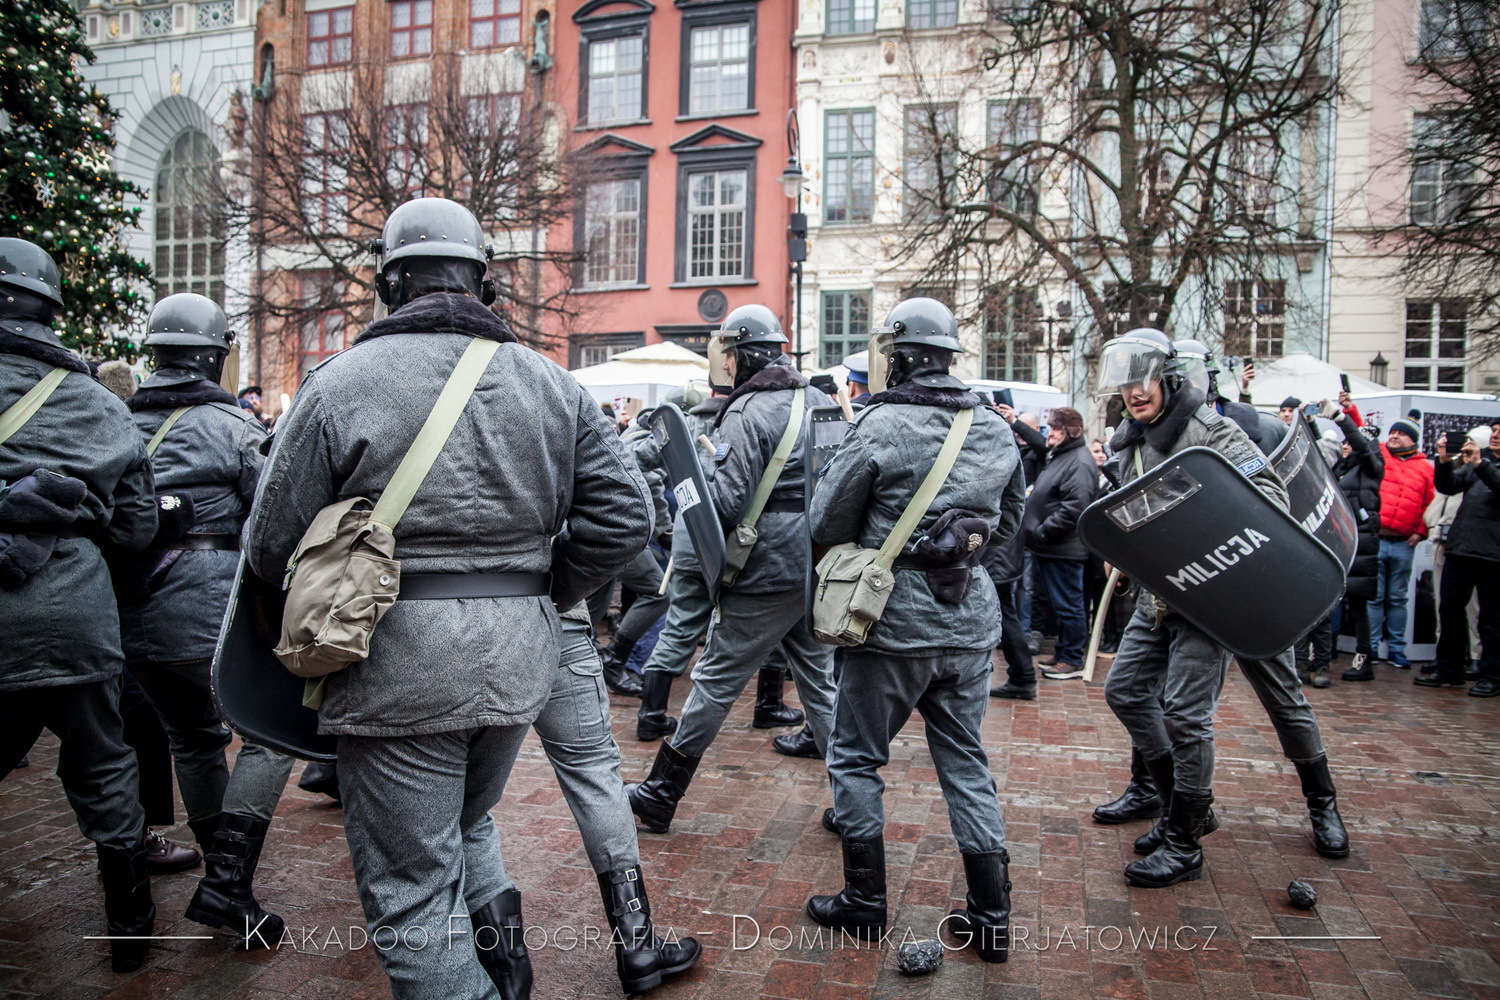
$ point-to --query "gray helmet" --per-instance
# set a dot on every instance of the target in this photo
(28, 268)
(1137, 356)
(436, 229)
(753, 324)
(685, 397)
(1195, 363)
(188, 320)
(922, 321)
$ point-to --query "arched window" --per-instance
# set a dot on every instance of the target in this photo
(189, 224)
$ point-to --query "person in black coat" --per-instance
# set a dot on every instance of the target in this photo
(1359, 472)
(1066, 485)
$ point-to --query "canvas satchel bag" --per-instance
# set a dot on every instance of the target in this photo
(742, 539)
(344, 576)
(854, 583)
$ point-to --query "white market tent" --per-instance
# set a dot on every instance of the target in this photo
(1300, 375)
(645, 373)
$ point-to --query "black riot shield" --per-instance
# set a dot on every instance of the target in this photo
(1313, 494)
(823, 430)
(257, 696)
(680, 450)
(1198, 534)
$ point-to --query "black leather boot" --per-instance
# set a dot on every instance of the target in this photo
(641, 958)
(654, 801)
(985, 923)
(1330, 839)
(798, 744)
(128, 909)
(1162, 777)
(225, 897)
(203, 832)
(860, 908)
(500, 943)
(1140, 800)
(1180, 856)
(770, 710)
(320, 779)
(652, 722)
(619, 680)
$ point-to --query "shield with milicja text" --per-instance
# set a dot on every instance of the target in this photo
(680, 451)
(1196, 532)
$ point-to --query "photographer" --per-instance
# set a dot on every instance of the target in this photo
(1472, 564)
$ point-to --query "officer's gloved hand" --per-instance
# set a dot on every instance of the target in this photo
(174, 518)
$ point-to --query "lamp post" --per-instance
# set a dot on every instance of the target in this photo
(1053, 344)
(1379, 367)
(791, 180)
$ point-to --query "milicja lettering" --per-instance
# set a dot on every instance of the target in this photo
(1218, 559)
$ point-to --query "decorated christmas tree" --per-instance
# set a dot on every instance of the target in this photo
(56, 185)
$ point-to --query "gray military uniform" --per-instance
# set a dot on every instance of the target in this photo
(212, 454)
(430, 724)
(923, 654)
(60, 660)
(764, 611)
(1165, 682)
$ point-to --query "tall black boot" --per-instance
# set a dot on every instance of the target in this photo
(1140, 800)
(860, 908)
(225, 896)
(641, 958)
(985, 923)
(499, 941)
(203, 832)
(770, 710)
(798, 744)
(654, 801)
(128, 909)
(1330, 839)
(619, 680)
(1180, 856)
(1162, 777)
(652, 722)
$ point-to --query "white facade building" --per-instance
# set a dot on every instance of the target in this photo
(180, 75)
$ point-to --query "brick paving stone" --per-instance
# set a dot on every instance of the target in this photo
(1424, 876)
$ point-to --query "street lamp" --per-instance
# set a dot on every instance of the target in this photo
(1379, 366)
(1057, 344)
(791, 181)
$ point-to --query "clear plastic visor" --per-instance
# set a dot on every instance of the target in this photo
(1124, 365)
(720, 353)
(882, 344)
(1195, 372)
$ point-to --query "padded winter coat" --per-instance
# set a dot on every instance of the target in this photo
(1405, 493)
(1359, 475)
(1067, 484)
(1475, 531)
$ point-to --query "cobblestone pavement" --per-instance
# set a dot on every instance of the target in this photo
(1418, 771)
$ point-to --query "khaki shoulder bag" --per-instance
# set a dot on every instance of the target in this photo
(854, 583)
(742, 539)
(343, 577)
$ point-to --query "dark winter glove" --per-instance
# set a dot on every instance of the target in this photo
(174, 519)
(952, 542)
(41, 500)
(21, 556)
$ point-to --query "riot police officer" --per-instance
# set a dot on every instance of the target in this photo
(74, 480)
(1274, 682)
(930, 651)
(429, 725)
(764, 608)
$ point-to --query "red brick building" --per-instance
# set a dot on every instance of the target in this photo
(677, 122)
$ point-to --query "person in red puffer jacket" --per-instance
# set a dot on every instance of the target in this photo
(1405, 492)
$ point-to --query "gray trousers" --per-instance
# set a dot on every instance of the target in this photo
(425, 850)
(688, 612)
(575, 732)
(643, 576)
(1164, 688)
(98, 771)
(181, 695)
(1276, 684)
(877, 693)
(257, 781)
(748, 629)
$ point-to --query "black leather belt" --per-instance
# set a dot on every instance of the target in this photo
(796, 506)
(448, 586)
(199, 541)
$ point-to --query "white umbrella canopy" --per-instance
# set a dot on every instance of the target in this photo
(1300, 375)
(644, 373)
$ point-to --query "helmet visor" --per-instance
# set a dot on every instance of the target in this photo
(1123, 365)
(720, 360)
(1194, 372)
(882, 345)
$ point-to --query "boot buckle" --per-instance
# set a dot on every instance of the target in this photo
(632, 875)
(633, 905)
